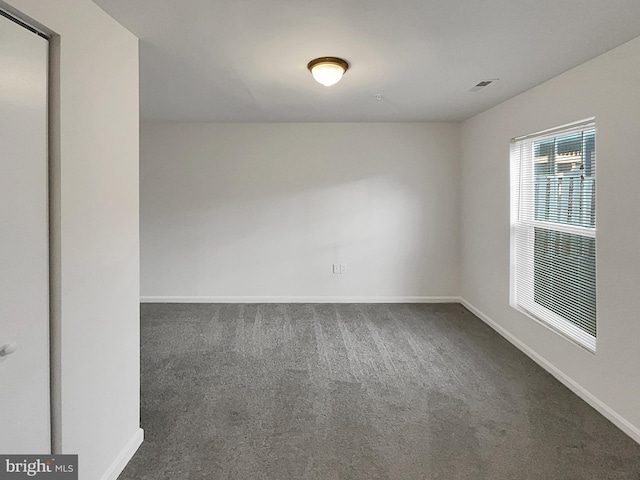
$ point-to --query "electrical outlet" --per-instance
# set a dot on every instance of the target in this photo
(343, 268)
(336, 268)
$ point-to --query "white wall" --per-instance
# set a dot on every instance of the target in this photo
(264, 210)
(95, 242)
(607, 88)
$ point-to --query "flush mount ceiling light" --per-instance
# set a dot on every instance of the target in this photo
(328, 70)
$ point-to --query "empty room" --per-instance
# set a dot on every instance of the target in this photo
(248, 239)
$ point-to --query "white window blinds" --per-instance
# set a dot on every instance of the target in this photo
(553, 233)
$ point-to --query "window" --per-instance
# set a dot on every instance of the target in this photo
(553, 229)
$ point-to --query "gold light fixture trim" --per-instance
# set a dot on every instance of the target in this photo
(328, 70)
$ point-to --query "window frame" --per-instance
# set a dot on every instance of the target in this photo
(523, 222)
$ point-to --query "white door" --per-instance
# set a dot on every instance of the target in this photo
(24, 256)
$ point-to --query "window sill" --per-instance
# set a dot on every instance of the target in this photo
(561, 327)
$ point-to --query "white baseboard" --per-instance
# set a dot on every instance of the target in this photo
(117, 466)
(148, 299)
(615, 418)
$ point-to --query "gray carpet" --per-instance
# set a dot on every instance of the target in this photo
(357, 392)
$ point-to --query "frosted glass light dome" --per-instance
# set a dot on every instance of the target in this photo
(327, 71)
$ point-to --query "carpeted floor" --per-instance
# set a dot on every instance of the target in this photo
(357, 392)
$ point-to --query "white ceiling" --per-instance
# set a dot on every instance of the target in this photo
(245, 60)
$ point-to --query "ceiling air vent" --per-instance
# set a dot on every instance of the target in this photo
(483, 83)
